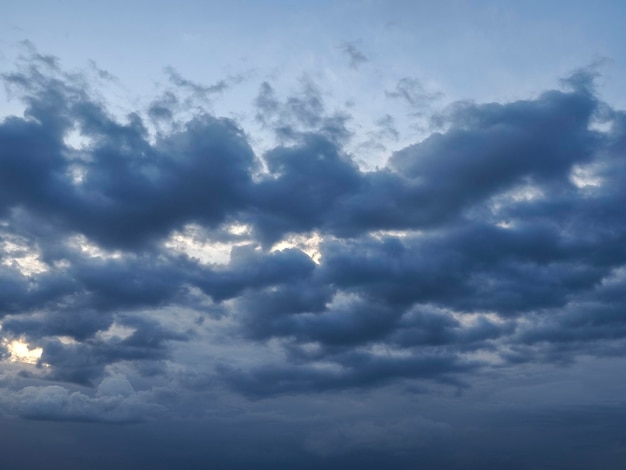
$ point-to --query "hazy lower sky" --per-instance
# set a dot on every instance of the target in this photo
(351, 234)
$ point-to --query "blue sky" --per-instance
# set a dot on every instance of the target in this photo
(312, 234)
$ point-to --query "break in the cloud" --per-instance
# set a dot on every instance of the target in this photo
(494, 244)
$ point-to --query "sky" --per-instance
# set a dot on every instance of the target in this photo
(288, 234)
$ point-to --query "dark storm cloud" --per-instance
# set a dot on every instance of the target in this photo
(491, 148)
(251, 270)
(487, 150)
(81, 298)
(356, 370)
(432, 328)
(506, 251)
(84, 362)
(20, 293)
(76, 323)
(473, 268)
(307, 182)
(96, 286)
(195, 170)
(356, 322)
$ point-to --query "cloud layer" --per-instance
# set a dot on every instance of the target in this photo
(496, 242)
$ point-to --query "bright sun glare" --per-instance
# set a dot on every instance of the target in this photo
(20, 352)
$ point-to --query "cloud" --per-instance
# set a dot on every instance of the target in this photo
(354, 55)
(306, 183)
(413, 92)
(355, 370)
(210, 151)
(497, 241)
(300, 116)
(198, 90)
(115, 401)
